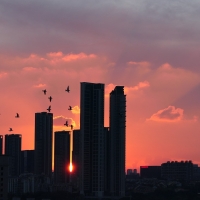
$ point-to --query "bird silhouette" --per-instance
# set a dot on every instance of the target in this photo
(45, 91)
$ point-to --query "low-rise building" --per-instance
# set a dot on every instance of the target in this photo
(182, 171)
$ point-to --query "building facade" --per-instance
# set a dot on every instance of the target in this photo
(4, 171)
(92, 139)
(174, 170)
(13, 150)
(150, 172)
(27, 161)
(76, 156)
(107, 161)
(1, 144)
(43, 143)
(117, 141)
(61, 157)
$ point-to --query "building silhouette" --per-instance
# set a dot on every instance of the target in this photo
(92, 139)
(174, 170)
(4, 172)
(43, 143)
(1, 144)
(76, 155)
(117, 141)
(13, 150)
(61, 156)
(107, 161)
(27, 161)
(150, 172)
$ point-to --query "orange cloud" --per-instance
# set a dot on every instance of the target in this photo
(39, 85)
(169, 114)
(60, 121)
(76, 110)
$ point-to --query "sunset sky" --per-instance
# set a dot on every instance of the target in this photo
(152, 47)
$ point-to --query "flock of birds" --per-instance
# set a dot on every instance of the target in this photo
(49, 108)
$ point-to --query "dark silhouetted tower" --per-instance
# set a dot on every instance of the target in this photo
(76, 154)
(13, 150)
(62, 156)
(117, 141)
(92, 139)
(43, 143)
(27, 161)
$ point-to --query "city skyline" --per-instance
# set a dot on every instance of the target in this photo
(149, 48)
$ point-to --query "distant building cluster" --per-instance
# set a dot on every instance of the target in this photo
(98, 152)
(184, 171)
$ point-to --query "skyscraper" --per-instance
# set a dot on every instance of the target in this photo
(117, 141)
(92, 139)
(61, 156)
(13, 150)
(43, 143)
(107, 160)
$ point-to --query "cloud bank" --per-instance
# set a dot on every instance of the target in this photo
(169, 114)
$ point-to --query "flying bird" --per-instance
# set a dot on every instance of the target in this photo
(10, 129)
(45, 91)
(70, 108)
(50, 98)
(49, 108)
(66, 123)
(17, 115)
(67, 90)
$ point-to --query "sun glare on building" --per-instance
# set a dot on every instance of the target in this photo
(70, 167)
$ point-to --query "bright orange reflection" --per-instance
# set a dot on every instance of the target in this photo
(70, 167)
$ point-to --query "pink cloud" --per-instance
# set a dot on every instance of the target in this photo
(3, 74)
(72, 57)
(140, 85)
(55, 54)
(109, 88)
(143, 63)
(29, 69)
(169, 114)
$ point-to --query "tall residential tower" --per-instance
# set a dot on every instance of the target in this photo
(43, 143)
(13, 150)
(117, 141)
(61, 156)
(92, 139)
